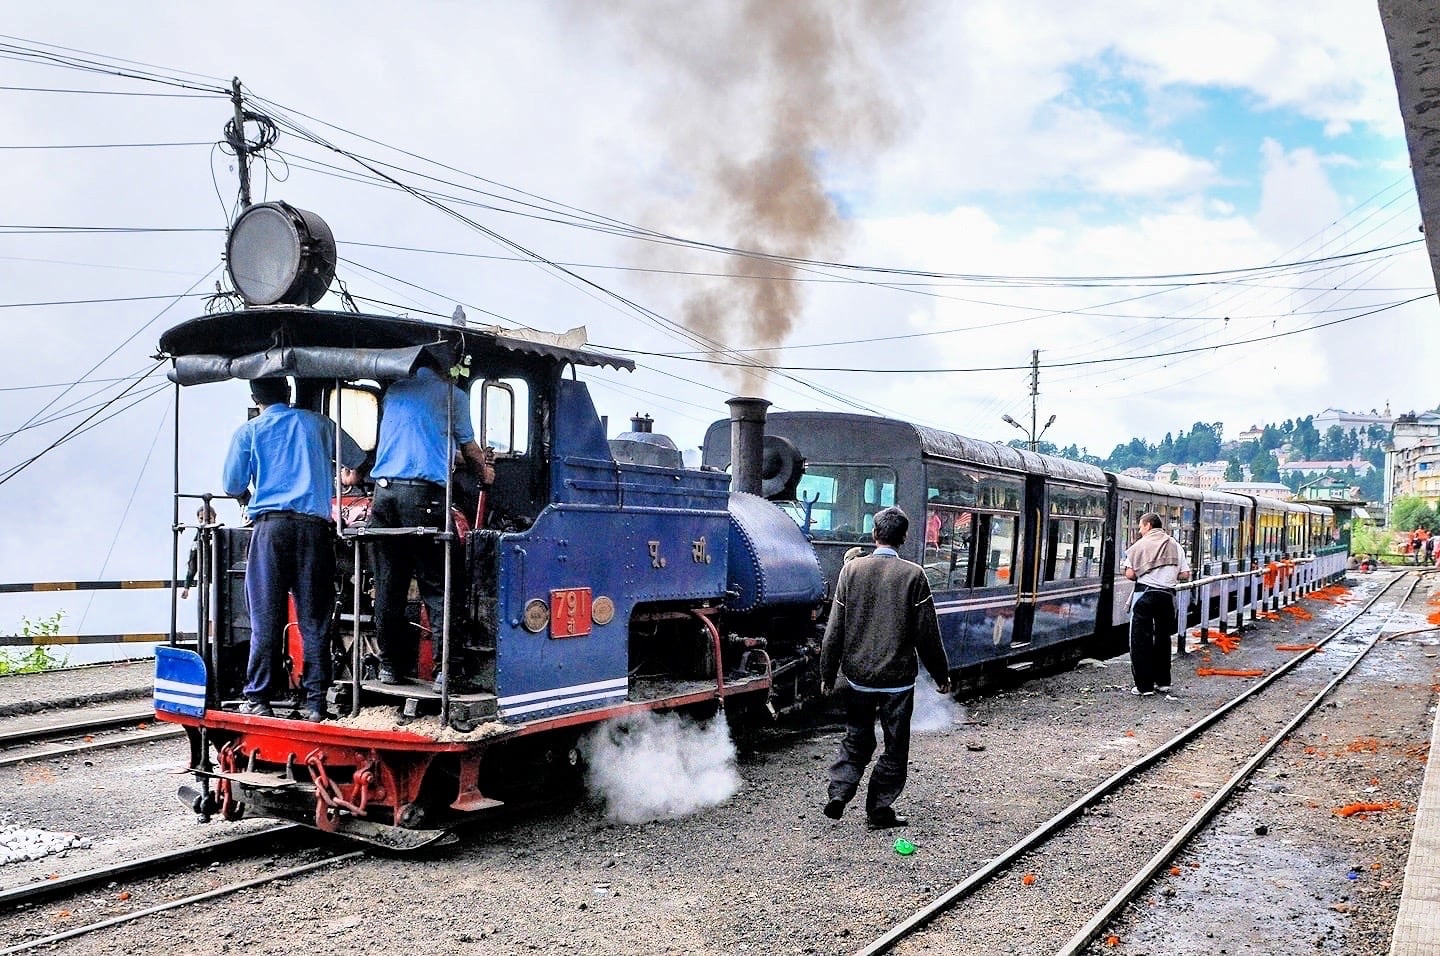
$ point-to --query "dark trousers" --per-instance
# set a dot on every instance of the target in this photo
(1152, 622)
(289, 555)
(396, 561)
(862, 708)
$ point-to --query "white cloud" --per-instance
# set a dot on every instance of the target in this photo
(1000, 166)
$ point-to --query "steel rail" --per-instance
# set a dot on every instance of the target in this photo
(1212, 807)
(17, 896)
(158, 732)
(941, 904)
(183, 901)
(74, 728)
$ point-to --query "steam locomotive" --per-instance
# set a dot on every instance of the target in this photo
(599, 577)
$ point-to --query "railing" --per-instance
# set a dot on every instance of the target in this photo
(1278, 584)
(44, 587)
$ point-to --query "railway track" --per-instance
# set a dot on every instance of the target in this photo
(175, 864)
(1096, 852)
(44, 735)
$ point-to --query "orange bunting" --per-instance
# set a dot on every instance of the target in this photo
(1227, 672)
(1112, 940)
(1433, 617)
(1226, 642)
(1028, 879)
(1296, 647)
(1350, 809)
(1298, 611)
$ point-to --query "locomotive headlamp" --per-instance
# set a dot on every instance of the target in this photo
(278, 254)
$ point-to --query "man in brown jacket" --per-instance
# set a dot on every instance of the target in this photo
(882, 616)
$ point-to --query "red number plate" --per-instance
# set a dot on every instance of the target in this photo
(570, 612)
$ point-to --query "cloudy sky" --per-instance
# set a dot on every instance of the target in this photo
(1200, 212)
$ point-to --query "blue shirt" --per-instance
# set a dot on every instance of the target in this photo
(285, 454)
(412, 428)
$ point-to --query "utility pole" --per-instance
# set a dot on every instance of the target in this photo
(1032, 438)
(1034, 392)
(237, 142)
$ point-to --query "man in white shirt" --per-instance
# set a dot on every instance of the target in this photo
(1156, 563)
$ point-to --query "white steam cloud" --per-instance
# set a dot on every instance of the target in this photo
(934, 712)
(660, 766)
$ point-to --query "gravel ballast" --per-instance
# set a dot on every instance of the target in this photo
(763, 871)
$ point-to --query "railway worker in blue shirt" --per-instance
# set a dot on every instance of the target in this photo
(881, 618)
(412, 459)
(1156, 563)
(284, 454)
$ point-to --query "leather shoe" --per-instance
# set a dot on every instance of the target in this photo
(885, 818)
(317, 716)
(256, 708)
(388, 676)
(834, 809)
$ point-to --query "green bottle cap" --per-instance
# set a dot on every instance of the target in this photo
(903, 846)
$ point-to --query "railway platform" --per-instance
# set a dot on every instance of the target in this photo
(76, 687)
(1417, 925)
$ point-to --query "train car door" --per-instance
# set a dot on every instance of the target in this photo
(1027, 564)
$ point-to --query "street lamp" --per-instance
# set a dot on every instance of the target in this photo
(1032, 437)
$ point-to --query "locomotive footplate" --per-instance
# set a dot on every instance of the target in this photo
(419, 698)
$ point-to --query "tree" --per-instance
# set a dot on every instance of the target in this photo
(1264, 468)
(1271, 438)
(1204, 442)
(1307, 438)
(1233, 472)
(1166, 449)
(1410, 512)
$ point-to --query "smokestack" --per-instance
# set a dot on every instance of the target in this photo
(747, 443)
(641, 423)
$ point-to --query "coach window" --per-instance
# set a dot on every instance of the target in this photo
(1060, 549)
(1088, 534)
(846, 498)
(995, 545)
(504, 419)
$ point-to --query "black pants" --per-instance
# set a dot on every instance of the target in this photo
(888, 778)
(289, 555)
(1152, 622)
(396, 561)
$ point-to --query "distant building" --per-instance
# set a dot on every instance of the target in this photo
(1205, 475)
(1412, 460)
(1253, 433)
(1260, 489)
(1356, 423)
(1328, 488)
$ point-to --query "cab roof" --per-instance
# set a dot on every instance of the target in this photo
(310, 343)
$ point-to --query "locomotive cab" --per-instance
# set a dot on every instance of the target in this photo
(590, 580)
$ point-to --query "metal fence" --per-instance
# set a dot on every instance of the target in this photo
(40, 587)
